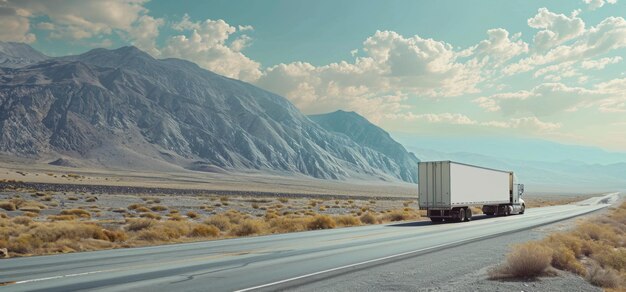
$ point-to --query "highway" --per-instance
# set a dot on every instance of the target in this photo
(265, 262)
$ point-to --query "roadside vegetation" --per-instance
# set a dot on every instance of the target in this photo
(595, 250)
(40, 225)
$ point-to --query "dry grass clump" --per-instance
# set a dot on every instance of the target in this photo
(249, 227)
(142, 209)
(288, 224)
(8, 206)
(77, 212)
(150, 215)
(61, 217)
(220, 221)
(283, 200)
(400, 215)
(321, 222)
(192, 214)
(22, 220)
(139, 224)
(595, 249)
(157, 208)
(605, 278)
(526, 260)
(347, 220)
(368, 218)
(200, 230)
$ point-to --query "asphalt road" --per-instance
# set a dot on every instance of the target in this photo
(264, 262)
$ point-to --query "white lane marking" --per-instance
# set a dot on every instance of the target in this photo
(374, 260)
(61, 276)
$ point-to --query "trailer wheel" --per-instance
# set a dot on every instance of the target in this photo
(468, 214)
(459, 216)
(507, 210)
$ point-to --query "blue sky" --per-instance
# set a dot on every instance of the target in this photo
(534, 69)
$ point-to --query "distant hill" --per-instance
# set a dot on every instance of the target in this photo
(15, 55)
(364, 133)
(538, 173)
(124, 109)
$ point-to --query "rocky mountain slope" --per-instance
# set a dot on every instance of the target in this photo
(364, 133)
(15, 55)
(123, 108)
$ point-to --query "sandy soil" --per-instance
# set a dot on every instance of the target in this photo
(31, 171)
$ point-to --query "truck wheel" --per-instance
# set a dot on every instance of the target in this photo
(523, 209)
(507, 210)
(468, 214)
(460, 216)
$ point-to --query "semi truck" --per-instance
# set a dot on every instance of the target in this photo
(448, 189)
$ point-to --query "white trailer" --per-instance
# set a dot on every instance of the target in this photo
(447, 189)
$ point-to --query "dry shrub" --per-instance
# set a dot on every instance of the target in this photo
(30, 214)
(8, 206)
(288, 224)
(157, 208)
(322, 208)
(220, 221)
(142, 209)
(115, 235)
(140, 224)
(22, 220)
(611, 257)
(283, 200)
(201, 230)
(175, 217)
(150, 215)
(76, 212)
(249, 227)
(321, 222)
(61, 217)
(347, 220)
(134, 206)
(526, 260)
(399, 215)
(51, 232)
(4, 215)
(192, 214)
(564, 258)
(255, 205)
(573, 243)
(597, 232)
(606, 278)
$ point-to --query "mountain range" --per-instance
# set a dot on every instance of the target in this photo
(123, 108)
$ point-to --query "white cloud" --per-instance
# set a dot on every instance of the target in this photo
(206, 43)
(144, 32)
(80, 19)
(523, 124)
(389, 64)
(608, 35)
(555, 28)
(499, 48)
(600, 63)
(15, 25)
(543, 100)
(595, 4)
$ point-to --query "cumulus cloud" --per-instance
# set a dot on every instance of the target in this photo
(543, 100)
(523, 124)
(388, 63)
(499, 47)
(207, 44)
(555, 28)
(595, 4)
(608, 35)
(15, 25)
(600, 63)
(80, 19)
